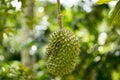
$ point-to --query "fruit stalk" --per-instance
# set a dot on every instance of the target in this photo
(59, 14)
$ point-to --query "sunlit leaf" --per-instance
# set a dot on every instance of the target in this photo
(104, 1)
(115, 16)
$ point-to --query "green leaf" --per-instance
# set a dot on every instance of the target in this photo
(104, 1)
(115, 16)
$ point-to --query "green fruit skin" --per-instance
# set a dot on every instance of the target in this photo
(62, 52)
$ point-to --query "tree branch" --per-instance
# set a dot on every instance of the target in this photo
(59, 14)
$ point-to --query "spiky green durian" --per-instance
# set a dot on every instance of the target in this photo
(62, 52)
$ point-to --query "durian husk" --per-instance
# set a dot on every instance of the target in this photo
(62, 52)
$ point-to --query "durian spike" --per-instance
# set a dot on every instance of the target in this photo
(59, 14)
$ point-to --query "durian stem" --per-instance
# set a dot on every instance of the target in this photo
(59, 14)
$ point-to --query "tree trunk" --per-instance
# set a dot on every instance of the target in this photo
(93, 75)
(28, 14)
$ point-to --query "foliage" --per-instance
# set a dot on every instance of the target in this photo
(104, 1)
(114, 19)
(14, 71)
(115, 14)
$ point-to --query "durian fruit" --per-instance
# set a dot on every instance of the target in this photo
(62, 52)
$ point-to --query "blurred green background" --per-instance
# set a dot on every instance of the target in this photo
(25, 26)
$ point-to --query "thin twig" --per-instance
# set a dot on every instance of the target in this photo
(59, 14)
